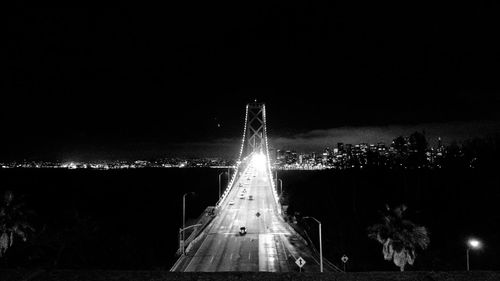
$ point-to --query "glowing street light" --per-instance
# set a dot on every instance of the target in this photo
(472, 243)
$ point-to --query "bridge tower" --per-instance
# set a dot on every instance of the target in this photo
(254, 141)
(255, 131)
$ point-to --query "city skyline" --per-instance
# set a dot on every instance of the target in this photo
(469, 154)
(313, 141)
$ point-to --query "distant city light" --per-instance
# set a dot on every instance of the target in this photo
(344, 156)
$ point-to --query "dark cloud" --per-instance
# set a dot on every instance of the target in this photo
(317, 140)
(448, 131)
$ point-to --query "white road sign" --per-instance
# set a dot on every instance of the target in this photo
(300, 262)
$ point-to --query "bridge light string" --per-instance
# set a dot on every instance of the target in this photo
(244, 134)
(274, 188)
(230, 184)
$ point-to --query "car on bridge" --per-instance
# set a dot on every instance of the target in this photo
(243, 230)
(231, 202)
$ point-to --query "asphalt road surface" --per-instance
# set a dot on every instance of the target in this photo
(268, 244)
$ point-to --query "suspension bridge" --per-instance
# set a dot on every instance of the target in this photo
(248, 232)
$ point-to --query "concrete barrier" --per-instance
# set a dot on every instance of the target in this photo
(102, 275)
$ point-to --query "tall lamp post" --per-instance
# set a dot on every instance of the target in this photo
(219, 180)
(281, 187)
(320, 244)
(184, 214)
(472, 243)
(276, 176)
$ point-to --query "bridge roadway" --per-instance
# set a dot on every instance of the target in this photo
(270, 244)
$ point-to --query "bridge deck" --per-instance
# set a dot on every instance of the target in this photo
(270, 243)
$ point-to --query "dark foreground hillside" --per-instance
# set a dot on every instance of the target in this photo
(68, 275)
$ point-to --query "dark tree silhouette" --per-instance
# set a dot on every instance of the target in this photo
(399, 237)
(13, 221)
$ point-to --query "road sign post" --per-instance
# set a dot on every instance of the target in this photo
(300, 262)
(344, 260)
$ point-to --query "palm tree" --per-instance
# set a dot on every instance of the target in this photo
(399, 237)
(12, 221)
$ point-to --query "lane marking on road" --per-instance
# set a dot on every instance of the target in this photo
(267, 252)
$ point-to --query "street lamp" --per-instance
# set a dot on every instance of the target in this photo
(276, 175)
(219, 180)
(472, 243)
(184, 215)
(281, 187)
(320, 244)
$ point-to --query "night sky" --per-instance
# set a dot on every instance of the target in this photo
(174, 80)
